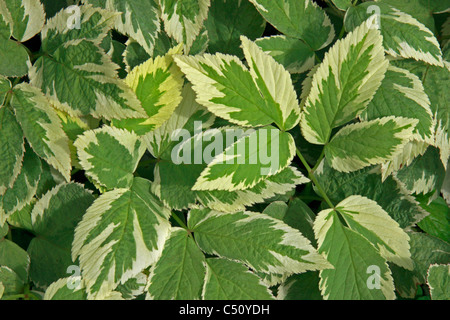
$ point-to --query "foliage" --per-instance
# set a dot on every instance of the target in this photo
(224, 149)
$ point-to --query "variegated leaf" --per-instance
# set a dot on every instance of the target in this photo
(80, 79)
(110, 156)
(403, 35)
(157, 84)
(5, 86)
(301, 19)
(260, 97)
(42, 127)
(294, 54)
(401, 94)
(261, 242)
(366, 143)
(230, 280)
(438, 279)
(180, 272)
(184, 19)
(139, 19)
(344, 83)
(71, 288)
(359, 272)
(26, 17)
(122, 233)
(14, 58)
(12, 149)
(247, 162)
(24, 187)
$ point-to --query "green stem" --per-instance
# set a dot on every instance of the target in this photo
(314, 179)
(179, 221)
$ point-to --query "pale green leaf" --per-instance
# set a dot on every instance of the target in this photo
(344, 83)
(261, 242)
(366, 143)
(122, 233)
(439, 282)
(180, 272)
(229, 280)
(42, 127)
(302, 19)
(110, 155)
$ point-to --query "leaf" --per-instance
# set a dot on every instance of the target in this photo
(184, 19)
(367, 182)
(342, 4)
(12, 146)
(179, 273)
(425, 173)
(367, 218)
(94, 24)
(139, 19)
(354, 258)
(157, 84)
(26, 17)
(366, 143)
(14, 257)
(401, 94)
(227, 21)
(24, 187)
(133, 287)
(439, 282)
(80, 66)
(5, 86)
(403, 35)
(122, 232)
(229, 280)
(54, 218)
(301, 19)
(14, 59)
(110, 156)
(295, 55)
(261, 242)
(344, 83)
(227, 88)
(437, 223)
(304, 286)
(59, 290)
(42, 127)
(239, 169)
(10, 282)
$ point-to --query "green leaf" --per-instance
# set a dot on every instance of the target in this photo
(425, 173)
(25, 186)
(239, 169)
(403, 35)
(227, 21)
(294, 54)
(437, 223)
(65, 289)
(261, 242)
(110, 156)
(139, 19)
(301, 19)
(390, 195)
(360, 272)
(229, 280)
(342, 4)
(5, 86)
(304, 286)
(26, 17)
(180, 272)
(15, 258)
(439, 282)
(80, 79)
(183, 20)
(42, 127)
(401, 94)
(54, 218)
(12, 146)
(10, 282)
(343, 84)
(122, 233)
(133, 287)
(366, 143)
(14, 59)
(157, 84)
(4, 230)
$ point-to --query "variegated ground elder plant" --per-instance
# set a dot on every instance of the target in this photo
(100, 99)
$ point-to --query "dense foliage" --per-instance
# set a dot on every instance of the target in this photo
(224, 149)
